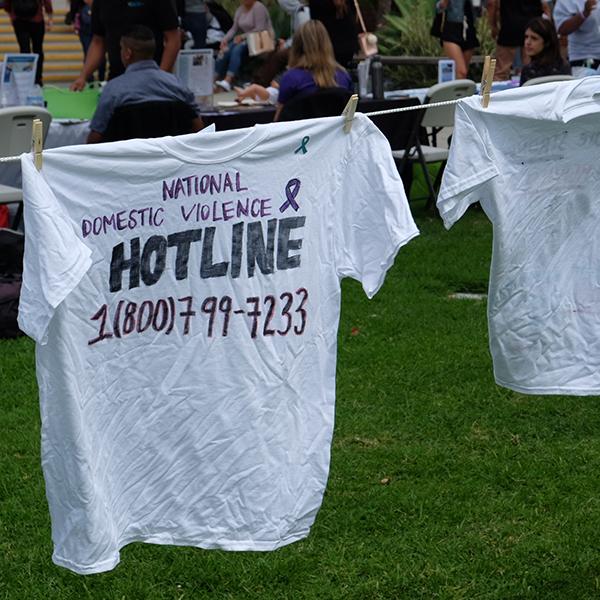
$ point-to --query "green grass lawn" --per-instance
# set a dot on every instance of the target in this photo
(442, 484)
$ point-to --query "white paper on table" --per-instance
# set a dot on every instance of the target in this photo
(195, 69)
(17, 77)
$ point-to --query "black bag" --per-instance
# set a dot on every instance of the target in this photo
(25, 9)
(11, 267)
(439, 21)
(10, 289)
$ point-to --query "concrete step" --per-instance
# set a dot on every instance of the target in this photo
(73, 47)
(62, 49)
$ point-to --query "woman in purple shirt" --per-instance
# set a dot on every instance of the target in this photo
(312, 65)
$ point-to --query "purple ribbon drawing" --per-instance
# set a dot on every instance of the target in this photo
(291, 191)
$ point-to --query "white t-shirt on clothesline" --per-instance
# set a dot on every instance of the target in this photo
(185, 296)
(531, 158)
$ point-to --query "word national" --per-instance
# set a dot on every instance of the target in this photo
(196, 185)
(268, 250)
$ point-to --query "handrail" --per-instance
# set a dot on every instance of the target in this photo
(418, 60)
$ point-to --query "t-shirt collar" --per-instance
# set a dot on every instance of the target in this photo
(141, 65)
(214, 148)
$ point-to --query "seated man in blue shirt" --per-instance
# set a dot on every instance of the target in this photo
(143, 81)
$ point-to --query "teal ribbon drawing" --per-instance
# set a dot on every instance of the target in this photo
(302, 147)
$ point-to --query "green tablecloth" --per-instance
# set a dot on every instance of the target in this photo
(64, 104)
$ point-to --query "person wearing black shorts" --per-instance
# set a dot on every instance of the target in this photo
(457, 33)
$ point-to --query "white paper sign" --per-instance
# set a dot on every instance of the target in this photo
(446, 71)
(18, 77)
(195, 69)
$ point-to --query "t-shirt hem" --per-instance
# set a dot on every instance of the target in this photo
(168, 540)
(551, 390)
(389, 260)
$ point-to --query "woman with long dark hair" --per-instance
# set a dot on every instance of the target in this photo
(542, 47)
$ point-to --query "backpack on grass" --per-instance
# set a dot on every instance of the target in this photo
(11, 268)
(10, 290)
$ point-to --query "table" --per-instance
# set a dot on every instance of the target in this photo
(238, 118)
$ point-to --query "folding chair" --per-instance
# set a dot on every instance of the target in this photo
(436, 119)
(16, 123)
(548, 79)
(154, 118)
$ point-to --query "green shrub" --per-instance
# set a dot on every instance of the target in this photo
(406, 33)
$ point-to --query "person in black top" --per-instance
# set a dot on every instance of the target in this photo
(508, 20)
(112, 18)
(543, 50)
(339, 18)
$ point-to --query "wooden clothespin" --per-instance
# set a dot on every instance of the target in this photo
(37, 143)
(489, 66)
(348, 112)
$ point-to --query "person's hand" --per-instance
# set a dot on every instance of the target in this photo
(223, 46)
(78, 84)
(280, 44)
(588, 7)
(49, 23)
(253, 91)
(443, 4)
(238, 39)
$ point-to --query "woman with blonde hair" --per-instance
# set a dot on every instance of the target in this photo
(311, 66)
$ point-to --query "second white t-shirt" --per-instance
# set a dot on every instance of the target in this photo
(531, 158)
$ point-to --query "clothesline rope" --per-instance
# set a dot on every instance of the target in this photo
(369, 114)
(415, 107)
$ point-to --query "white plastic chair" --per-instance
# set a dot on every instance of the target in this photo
(16, 123)
(548, 79)
(435, 119)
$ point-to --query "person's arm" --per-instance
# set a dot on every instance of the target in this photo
(102, 115)
(94, 137)
(546, 9)
(229, 35)
(93, 59)
(47, 4)
(277, 112)
(253, 92)
(197, 124)
(171, 49)
(261, 18)
(574, 22)
(493, 11)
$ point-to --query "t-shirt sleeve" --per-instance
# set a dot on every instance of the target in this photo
(55, 258)
(166, 14)
(262, 20)
(287, 86)
(469, 167)
(372, 217)
(104, 110)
